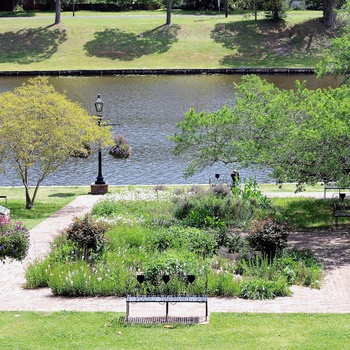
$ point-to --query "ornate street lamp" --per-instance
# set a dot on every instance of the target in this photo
(99, 186)
(99, 109)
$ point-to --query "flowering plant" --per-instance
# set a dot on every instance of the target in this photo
(121, 149)
(83, 152)
(14, 239)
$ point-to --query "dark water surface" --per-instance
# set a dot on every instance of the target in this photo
(147, 109)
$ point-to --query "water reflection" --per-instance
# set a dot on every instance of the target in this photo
(147, 109)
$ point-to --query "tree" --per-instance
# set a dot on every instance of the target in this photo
(329, 13)
(336, 59)
(302, 135)
(168, 12)
(40, 129)
(58, 12)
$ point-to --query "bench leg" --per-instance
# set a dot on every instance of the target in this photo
(127, 312)
(166, 311)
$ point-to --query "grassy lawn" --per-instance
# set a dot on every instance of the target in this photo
(113, 41)
(64, 330)
(49, 200)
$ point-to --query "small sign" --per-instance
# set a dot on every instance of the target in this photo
(4, 211)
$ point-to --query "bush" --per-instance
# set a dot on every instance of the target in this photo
(14, 240)
(199, 242)
(37, 274)
(259, 288)
(78, 279)
(268, 236)
(88, 235)
(224, 284)
(301, 267)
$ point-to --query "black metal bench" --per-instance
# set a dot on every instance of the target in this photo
(333, 186)
(220, 180)
(341, 207)
(167, 289)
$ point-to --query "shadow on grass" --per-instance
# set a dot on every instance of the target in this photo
(118, 45)
(264, 41)
(306, 213)
(30, 45)
(17, 14)
(61, 195)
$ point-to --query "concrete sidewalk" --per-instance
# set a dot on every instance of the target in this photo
(331, 247)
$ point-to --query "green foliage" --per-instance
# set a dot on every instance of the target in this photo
(37, 129)
(257, 288)
(201, 243)
(268, 236)
(172, 263)
(78, 279)
(135, 248)
(88, 235)
(262, 128)
(218, 208)
(301, 267)
(14, 239)
(106, 207)
(37, 274)
(223, 284)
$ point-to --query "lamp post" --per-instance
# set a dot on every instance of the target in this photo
(99, 186)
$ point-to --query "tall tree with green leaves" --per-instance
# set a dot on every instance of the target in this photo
(40, 129)
(302, 135)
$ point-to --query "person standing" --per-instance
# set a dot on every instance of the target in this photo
(235, 178)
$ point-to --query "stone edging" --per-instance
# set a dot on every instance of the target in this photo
(185, 71)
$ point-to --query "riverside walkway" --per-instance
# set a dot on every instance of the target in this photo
(331, 247)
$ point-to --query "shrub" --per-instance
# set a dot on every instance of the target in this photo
(301, 267)
(268, 236)
(199, 242)
(88, 235)
(223, 284)
(14, 239)
(106, 207)
(259, 288)
(79, 279)
(37, 274)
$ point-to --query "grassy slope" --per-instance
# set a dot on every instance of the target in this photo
(201, 41)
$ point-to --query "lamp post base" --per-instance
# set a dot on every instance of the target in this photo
(99, 188)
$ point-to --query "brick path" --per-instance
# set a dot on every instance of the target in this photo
(331, 247)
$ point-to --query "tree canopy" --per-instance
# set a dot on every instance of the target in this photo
(40, 129)
(301, 135)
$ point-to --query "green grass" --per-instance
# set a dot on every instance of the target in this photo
(65, 330)
(49, 200)
(112, 41)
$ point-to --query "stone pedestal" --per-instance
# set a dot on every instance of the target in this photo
(99, 188)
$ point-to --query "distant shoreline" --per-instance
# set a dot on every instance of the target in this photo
(177, 71)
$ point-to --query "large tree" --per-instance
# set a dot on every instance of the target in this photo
(40, 129)
(336, 59)
(301, 135)
(58, 12)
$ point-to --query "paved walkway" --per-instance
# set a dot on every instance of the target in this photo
(331, 247)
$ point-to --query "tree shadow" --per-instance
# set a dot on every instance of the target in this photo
(30, 45)
(268, 41)
(118, 45)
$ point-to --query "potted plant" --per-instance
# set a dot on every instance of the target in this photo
(121, 149)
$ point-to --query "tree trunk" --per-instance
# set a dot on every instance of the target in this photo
(168, 12)
(58, 12)
(329, 14)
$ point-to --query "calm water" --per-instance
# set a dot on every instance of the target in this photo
(147, 109)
